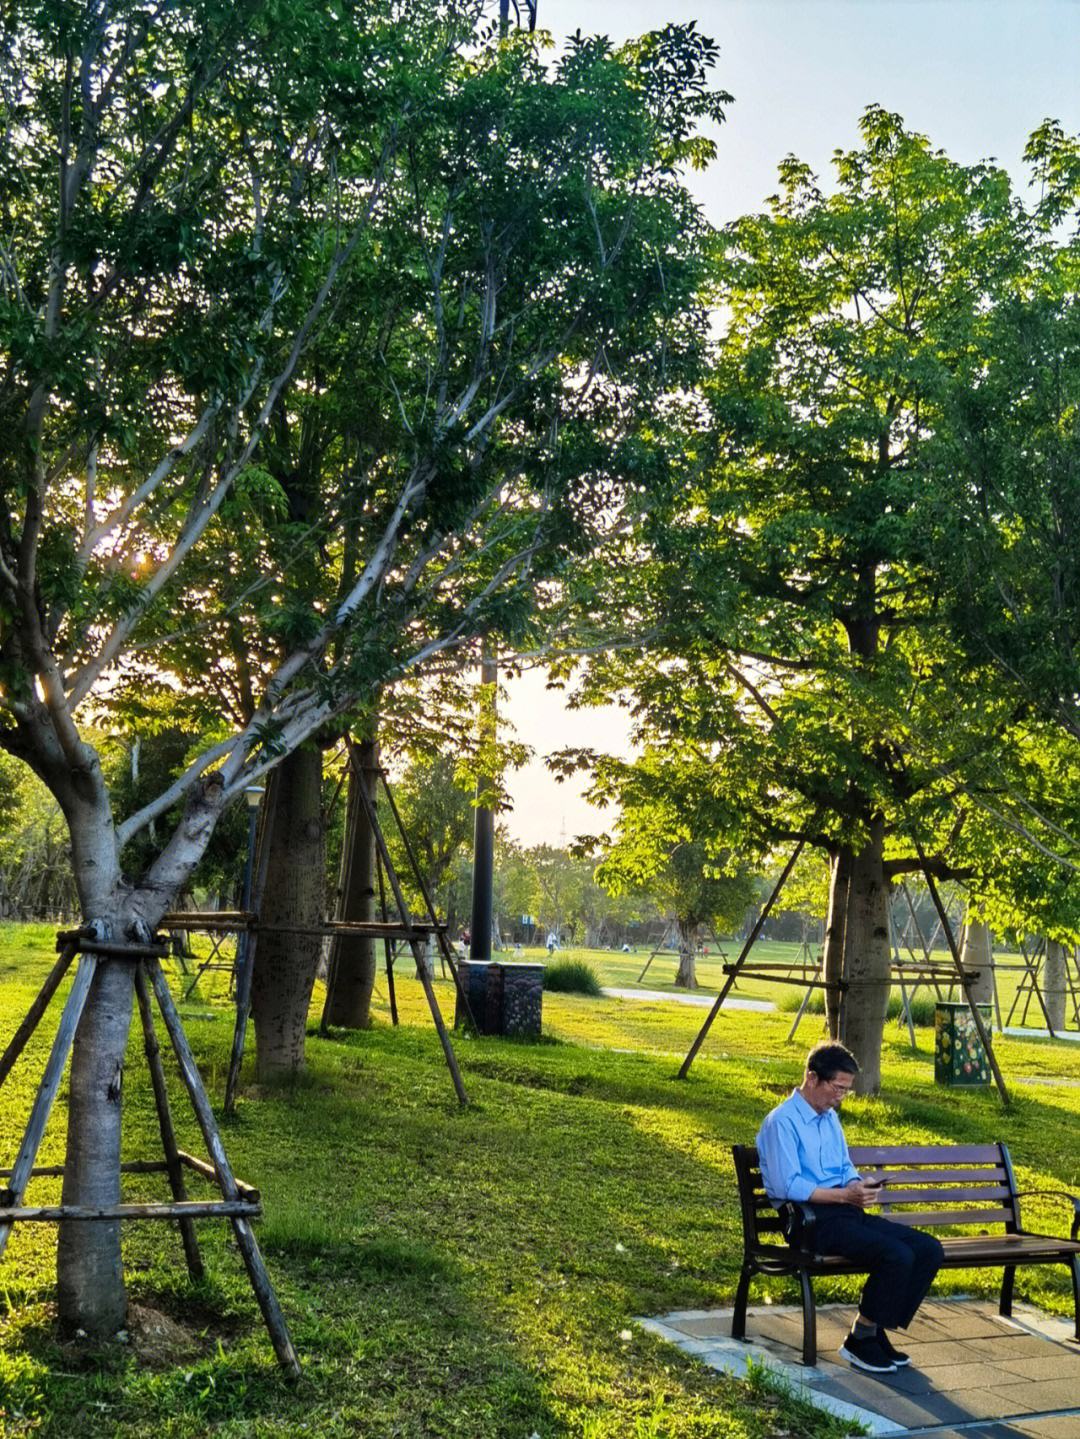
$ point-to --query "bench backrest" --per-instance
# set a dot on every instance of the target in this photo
(930, 1186)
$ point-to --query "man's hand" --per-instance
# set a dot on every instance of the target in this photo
(860, 1194)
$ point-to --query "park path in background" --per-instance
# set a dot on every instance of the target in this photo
(700, 1001)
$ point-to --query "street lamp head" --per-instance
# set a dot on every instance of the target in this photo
(253, 794)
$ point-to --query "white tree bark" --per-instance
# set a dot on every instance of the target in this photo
(1053, 982)
(686, 975)
(978, 954)
(867, 962)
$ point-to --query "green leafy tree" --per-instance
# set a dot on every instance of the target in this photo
(193, 196)
(666, 846)
(1007, 467)
(794, 654)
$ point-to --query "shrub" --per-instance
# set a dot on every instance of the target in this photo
(571, 976)
(922, 1005)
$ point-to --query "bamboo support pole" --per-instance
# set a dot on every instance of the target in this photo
(245, 1239)
(799, 1016)
(129, 1166)
(387, 946)
(200, 1166)
(21, 1037)
(732, 970)
(46, 1094)
(185, 1212)
(196, 1268)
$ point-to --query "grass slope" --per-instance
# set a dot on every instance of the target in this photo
(472, 1273)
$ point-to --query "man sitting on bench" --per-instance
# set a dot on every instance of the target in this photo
(804, 1157)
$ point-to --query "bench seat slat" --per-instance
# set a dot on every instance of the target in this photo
(871, 1154)
(962, 1251)
(977, 1174)
(930, 1218)
(897, 1194)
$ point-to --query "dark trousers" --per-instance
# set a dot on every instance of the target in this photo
(901, 1261)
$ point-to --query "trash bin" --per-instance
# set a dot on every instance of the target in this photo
(959, 1056)
(505, 998)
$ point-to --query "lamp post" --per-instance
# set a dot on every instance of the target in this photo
(484, 824)
(253, 794)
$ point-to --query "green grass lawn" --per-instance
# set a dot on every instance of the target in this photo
(475, 1273)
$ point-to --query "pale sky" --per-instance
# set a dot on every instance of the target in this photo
(976, 76)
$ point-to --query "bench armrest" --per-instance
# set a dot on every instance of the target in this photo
(798, 1224)
(1056, 1194)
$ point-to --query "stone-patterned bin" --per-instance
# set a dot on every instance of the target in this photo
(504, 998)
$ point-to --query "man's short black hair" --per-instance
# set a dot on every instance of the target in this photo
(828, 1060)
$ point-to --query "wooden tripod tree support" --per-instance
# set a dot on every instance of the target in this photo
(416, 935)
(239, 1202)
(410, 933)
(732, 970)
(963, 977)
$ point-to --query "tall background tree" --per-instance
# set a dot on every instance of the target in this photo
(193, 197)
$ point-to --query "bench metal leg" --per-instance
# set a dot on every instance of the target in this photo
(1074, 1269)
(742, 1293)
(1005, 1307)
(809, 1319)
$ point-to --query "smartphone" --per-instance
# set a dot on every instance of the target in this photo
(878, 1182)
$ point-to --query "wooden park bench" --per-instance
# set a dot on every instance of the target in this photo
(947, 1186)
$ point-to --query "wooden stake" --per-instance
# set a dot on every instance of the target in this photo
(387, 945)
(46, 1095)
(37, 1009)
(196, 1269)
(734, 969)
(245, 1239)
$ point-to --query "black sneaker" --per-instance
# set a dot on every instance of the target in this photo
(898, 1357)
(867, 1354)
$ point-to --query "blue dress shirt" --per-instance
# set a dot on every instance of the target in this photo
(801, 1150)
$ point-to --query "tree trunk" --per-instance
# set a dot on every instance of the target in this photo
(978, 953)
(89, 1272)
(1053, 982)
(353, 959)
(686, 978)
(90, 1280)
(285, 964)
(867, 961)
(832, 950)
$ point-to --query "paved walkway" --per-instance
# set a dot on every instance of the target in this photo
(700, 1001)
(972, 1373)
(1070, 1034)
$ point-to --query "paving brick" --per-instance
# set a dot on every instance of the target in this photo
(1010, 1346)
(942, 1351)
(711, 1328)
(913, 1411)
(1058, 1394)
(1000, 1403)
(947, 1377)
(1060, 1365)
(1058, 1426)
(953, 1322)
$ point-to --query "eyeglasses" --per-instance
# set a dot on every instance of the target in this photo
(834, 1086)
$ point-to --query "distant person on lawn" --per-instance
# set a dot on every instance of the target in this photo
(804, 1157)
